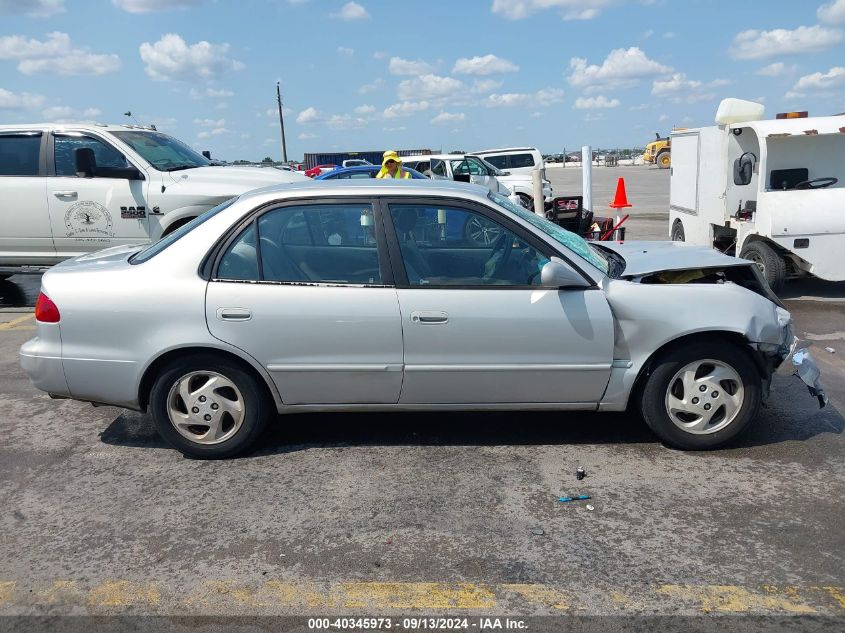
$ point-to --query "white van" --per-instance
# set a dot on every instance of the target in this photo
(516, 160)
(69, 189)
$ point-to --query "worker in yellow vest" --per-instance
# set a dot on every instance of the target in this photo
(391, 166)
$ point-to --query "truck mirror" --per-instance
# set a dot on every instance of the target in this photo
(206, 153)
(744, 169)
(86, 162)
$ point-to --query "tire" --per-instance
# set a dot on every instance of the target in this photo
(768, 261)
(677, 410)
(237, 431)
(526, 201)
(479, 232)
(176, 225)
(664, 159)
(678, 234)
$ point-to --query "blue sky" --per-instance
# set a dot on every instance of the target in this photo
(372, 74)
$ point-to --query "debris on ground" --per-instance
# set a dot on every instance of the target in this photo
(807, 370)
(580, 473)
(830, 350)
(538, 531)
(575, 498)
(590, 508)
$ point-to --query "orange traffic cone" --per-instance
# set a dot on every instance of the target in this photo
(620, 200)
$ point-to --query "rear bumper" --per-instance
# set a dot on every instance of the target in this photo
(41, 359)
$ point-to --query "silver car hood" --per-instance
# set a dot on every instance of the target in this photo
(642, 258)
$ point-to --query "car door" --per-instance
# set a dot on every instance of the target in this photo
(25, 237)
(321, 314)
(478, 326)
(472, 170)
(88, 214)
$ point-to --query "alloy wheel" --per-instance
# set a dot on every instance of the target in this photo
(704, 396)
(205, 407)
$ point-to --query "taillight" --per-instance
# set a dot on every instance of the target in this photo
(45, 310)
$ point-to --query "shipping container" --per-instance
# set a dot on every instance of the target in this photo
(337, 158)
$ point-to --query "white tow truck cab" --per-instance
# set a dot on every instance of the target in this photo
(772, 191)
(68, 189)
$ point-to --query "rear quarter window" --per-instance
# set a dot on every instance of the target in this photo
(521, 160)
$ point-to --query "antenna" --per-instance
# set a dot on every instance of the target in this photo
(129, 114)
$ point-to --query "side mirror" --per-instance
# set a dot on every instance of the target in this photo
(556, 274)
(744, 169)
(86, 162)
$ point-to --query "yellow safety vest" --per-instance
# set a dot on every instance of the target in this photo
(400, 173)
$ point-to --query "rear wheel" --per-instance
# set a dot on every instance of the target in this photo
(678, 234)
(526, 201)
(701, 396)
(664, 160)
(768, 261)
(208, 407)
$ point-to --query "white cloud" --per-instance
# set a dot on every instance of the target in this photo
(379, 55)
(346, 52)
(308, 115)
(373, 86)
(679, 89)
(648, 34)
(56, 54)
(345, 122)
(171, 58)
(670, 35)
(66, 114)
(832, 12)
(213, 132)
(33, 8)
(755, 44)
(778, 69)
(210, 122)
(352, 11)
(307, 135)
(486, 65)
(663, 117)
(834, 78)
(399, 66)
(621, 69)
(91, 112)
(151, 6)
(483, 86)
(430, 87)
(406, 108)
(445, 118)
(570, 9)
(544, 97)
(365, 109)
(211, 93)
(54, 113)
(590, 103)
(394, 129)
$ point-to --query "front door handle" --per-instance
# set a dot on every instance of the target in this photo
(429, 317)
(65, 194)
(234, 314)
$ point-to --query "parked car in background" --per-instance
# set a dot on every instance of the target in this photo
(355, 162)
(78, 188)
(363, 171)
(474, 169)
(516, 160)
(361, 298)
(319, 169)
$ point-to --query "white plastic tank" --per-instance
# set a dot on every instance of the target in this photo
(738, 111)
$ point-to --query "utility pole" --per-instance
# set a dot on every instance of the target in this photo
(282, 124)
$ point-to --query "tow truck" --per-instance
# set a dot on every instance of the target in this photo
(772, 191)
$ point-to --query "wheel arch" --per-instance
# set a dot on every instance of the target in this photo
(736, 339)
(154, 368)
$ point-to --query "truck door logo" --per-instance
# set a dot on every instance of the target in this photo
(88, 221)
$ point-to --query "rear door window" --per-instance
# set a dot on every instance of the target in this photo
(500, 162)
(521, 160)
(20, 153)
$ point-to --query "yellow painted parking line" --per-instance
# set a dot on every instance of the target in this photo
(735, 599)
(15, 324)
(269, 596)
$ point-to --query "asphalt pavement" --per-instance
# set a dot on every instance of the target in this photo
(397, 514)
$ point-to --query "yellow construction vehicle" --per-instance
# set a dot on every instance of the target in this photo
(659, 152)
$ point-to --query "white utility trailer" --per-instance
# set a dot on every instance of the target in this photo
(772, 191)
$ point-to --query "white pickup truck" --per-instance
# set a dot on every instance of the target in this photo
(66, 190)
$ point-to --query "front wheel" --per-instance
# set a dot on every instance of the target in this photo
(700, 396)
(768, 261)
(208, 407)
(664, 160)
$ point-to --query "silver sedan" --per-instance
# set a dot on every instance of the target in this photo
(376, 296)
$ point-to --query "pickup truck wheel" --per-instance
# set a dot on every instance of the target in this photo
(700, 396)
(208, 407)
(664, 159)
(768, 261)
(526, 201)
(678, 234)
(480, 232)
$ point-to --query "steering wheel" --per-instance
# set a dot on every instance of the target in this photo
(499, 256)
(816, 183)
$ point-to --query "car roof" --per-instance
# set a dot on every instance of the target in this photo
(419, 157)
(355, 169)
(103, 127)
(368, 187)
(505, 150)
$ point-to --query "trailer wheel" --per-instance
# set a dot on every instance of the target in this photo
(678, 234)
(664, 159)
(768, 261)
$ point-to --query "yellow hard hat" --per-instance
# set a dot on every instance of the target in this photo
(390, 155)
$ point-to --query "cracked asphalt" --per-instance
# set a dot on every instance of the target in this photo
(426, 513)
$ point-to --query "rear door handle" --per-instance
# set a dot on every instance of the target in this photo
(65, 194)
(429, 317)
(234, 314)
